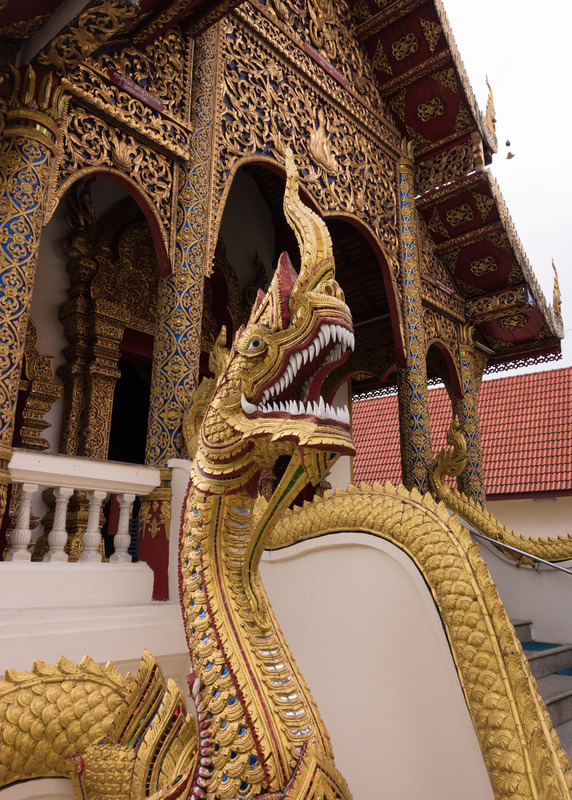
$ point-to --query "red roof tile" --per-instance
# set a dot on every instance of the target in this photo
(526, 433)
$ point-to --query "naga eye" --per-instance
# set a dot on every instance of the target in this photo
(255, 344)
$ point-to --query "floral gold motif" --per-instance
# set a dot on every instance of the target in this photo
(460, 215)
(483, 266)
(431, 109)
(405, 47)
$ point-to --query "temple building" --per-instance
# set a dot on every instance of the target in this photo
(142, 158)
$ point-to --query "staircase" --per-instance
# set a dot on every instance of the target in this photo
(551, 665)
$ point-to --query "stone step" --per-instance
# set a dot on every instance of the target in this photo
(564, 732)
(546, 658)
(523, 629)
(556, 691)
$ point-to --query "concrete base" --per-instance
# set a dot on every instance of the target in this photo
(25, 584)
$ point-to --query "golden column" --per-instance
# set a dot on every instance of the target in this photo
(471, 481)
(414, 426)
(26, 150)
(180, 303)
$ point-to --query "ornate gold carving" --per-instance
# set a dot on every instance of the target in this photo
(447, 78)
(484, 203)
(25, 157)
(155, 513)
(319, 146)
(54, 713)
(464, 119)
(397, 103)
(405, 47)
(513, 322)
(380, 61)
(452, 462)
(455, 162)
(23, 28)
(163, 69)
(114, 279)
(323, 33)
(177, 340)
(364, 186)
(460, 214)
(432, 32)
(95, 25)
(412, 379)
(484, 265)
(431, 109)
(436, 224)
(90, 144)
(39, 390)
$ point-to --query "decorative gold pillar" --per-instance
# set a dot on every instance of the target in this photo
(472, 480)
(414, 427)
(26, 150)
(177, 339)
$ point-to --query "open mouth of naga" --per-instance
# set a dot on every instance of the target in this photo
(296, 391)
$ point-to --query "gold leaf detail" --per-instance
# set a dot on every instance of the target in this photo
(460, 214)
(483, 266)
(432, 31)
(431, 109)
(513, 322)
(405, 47)
(380, 61)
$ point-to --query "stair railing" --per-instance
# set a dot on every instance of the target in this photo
(500, 545)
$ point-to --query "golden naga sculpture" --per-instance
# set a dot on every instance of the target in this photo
(259, 732)
(452, 463)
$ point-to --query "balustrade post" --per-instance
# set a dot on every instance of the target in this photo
(21, 535)
(92, 537)
(122, 539)
(58, 536)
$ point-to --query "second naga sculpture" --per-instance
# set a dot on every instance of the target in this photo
(258, 731)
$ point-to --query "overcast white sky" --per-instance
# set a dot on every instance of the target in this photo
(524, 47)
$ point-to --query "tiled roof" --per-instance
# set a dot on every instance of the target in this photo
(526, 433)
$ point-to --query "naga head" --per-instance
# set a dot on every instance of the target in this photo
(267, 399)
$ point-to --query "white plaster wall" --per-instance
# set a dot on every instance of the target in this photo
(341, 473)
(543, 596)
(50, 291)
(44, 789)
(551, 516)
(246, 228)
(365, 632)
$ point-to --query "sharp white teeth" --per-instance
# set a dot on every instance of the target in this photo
(326, 331)
(311, 352)
(275, 407)
(290, 373)
(281, 384)
(305, 355)
(322, 337)
(299, 359)
(301, 408)
(248, 408)
(317, 345)
(322, 407)
(352, 342)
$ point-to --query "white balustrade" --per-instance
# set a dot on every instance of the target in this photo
(35, 471)
(21, 535)
(58, 536)
(122, 539)
(92, 537)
